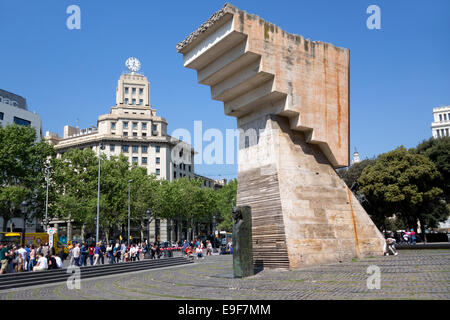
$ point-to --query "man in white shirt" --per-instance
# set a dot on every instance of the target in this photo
(23, 253)
(42, 263)
(76, 254)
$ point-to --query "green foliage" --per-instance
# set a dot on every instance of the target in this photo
(351, 174)
(438, 151)
(225, 203)
(22, 178)
(404, 183)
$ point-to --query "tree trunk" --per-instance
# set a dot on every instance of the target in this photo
(142, 230)
(424, 236)
(24, 229)
(83, 228)
(69, 227)
(5, 224)
(180, 229)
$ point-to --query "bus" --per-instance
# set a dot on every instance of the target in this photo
(34, 238)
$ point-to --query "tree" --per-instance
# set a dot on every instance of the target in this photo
(22, 177)
(351, 174)
(114, 177)
(403, 183)
(143, 197)
(75, 183)
(438, 151)
(226, 199)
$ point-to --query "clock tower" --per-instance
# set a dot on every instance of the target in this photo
(133, 89)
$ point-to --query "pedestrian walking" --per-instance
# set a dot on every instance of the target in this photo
(97, 253)
(413, 237)
(84, 255)
(102, 252)
(91, 250)
(76, 253)
(32, 262)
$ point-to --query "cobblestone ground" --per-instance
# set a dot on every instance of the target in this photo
(413, 274)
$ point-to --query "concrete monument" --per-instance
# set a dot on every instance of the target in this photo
(290, 96)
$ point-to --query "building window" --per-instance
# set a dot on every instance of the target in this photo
(126, 100)
(125, 125)
(144, 134)
(113, 125)
(1, 115)
(144, 160)
(126, 89)
(125, 134)
(157, 149)
(135, 159)
(174, 174)
(133, 102)
(124, 148)
(133, 91)
(22, 122)
(157, 171)
(134, 134)
(141, 91)
(445, 117)
(158, 160)
(154, 127)
(135, 149)
(174, 165)
(446, 132)
(440, 117)
(141, 101)
(189, 168)
(144, 125)
(112, 147)
(144, 149)
(135, 125)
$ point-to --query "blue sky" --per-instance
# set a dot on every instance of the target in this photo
(398, 73)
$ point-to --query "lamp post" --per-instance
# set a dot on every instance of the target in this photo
(214, 232)
(129, 185)
(100, 147)
(148, 212)
(47, 178)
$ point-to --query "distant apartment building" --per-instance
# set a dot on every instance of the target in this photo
(440, 127)
(14, 109)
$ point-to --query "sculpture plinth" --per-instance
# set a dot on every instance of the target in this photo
(291, 100)
(242, 242)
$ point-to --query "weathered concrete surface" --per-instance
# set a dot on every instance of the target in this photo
(291, 100)
(242, 242)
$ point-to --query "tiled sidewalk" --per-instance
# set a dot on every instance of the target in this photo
(413, 274)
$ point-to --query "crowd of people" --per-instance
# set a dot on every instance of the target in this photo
(403, 236)
(116, 252)
(29, 258)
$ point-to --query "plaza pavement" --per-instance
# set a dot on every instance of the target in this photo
(413, 274)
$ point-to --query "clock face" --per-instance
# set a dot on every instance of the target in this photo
(133, 64)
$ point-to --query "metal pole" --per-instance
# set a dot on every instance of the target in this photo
(46, 203)
(98, 198)
(129, 184)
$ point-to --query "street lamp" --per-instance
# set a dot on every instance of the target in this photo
(148, 212)
(101, 147)
(129, 184)
(214, 232)
(47, 178)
